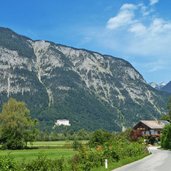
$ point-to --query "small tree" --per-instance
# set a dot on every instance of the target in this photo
(99, 137)
(166, 137)
(169, 108)
(16, 126)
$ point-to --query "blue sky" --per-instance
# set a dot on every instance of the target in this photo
(136, 30)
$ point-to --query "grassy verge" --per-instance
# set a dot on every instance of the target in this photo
(119, 163)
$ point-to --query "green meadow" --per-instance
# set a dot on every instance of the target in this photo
(53, 144)
(51, 149)
(30, 154)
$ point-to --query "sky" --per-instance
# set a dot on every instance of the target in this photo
(138, 31)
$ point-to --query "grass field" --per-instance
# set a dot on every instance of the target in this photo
(53, 144)
(31, 154)
(52, 149)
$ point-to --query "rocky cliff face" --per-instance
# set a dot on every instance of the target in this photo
(59, 82)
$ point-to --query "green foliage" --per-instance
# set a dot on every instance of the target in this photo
(86, 159)
(125, 148)
(17, 127)
(76, 144)
(61, 134)
(42, 163)
(83, 134)
(165, 117)
(169, 108)
(7, 163)
(114, 147)
(74, 163)
(109, 152)
(99, 137)
(168, 116)
(166, 137)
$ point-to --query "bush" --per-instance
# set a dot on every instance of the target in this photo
(166, 137)
(39, 164)
(113, 147)
(7, 163)
(86, 159)
(59, 164)
(110, 153)
(76, 144)
(99, 137)
(42, 163)
(74, 163)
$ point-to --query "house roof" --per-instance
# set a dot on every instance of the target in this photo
(155, 124)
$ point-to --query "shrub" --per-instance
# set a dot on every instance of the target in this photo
(76, 144)
(74, 163)
(42, 163)
(99, 137)
(7, 163)
(110, 153)
(39, 164)
(166, 137)
(58, 164)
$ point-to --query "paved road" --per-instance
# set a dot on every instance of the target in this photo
(159, 160)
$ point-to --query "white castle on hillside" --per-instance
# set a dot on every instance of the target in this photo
(63, 122)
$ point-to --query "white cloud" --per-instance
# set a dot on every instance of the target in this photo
(145, 34)
(140, 35)
(128, 7)
(145, 10)
(149, 41)
(153, 2)
(124, 17)
(156, 27)
(138, 28)
(159, 25)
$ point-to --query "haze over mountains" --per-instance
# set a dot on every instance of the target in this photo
(59, 82)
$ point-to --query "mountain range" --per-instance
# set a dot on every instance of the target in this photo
(157, 86)
(89, 89)
(162, 86)
(167, 87)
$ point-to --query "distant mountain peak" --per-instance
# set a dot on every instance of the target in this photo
(157, 86)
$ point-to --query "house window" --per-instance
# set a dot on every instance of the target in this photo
(152, 132)
(147, 133)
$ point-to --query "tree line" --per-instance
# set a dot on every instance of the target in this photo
(17, 128)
